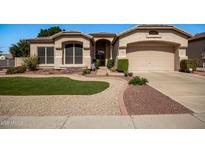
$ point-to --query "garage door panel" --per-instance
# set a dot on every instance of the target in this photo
(150, 58)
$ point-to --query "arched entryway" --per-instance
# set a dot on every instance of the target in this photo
(103, 51)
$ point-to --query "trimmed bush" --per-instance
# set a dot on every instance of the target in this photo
(86, 71)
(110, 63)
(122, 65)
(185, 64)
(31, 63)
(138, 81)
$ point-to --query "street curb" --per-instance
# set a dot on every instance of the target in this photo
(122, 106)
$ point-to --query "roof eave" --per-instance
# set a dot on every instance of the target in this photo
(154, 27)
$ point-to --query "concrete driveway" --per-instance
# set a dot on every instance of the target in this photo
(187, 89)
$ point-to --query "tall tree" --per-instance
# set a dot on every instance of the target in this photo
(20, 49)
(50, 31)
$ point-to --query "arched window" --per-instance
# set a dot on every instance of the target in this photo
(153, 32)
(73, 54)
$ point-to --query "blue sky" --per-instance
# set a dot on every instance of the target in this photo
(12, 33)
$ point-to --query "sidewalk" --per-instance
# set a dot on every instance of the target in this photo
(178, 121)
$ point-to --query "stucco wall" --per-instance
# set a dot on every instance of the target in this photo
(19, 61)
(58, 51)
(164, 35)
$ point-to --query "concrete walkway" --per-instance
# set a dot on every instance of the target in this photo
(175, 121)
(187, 89)
(102, 71)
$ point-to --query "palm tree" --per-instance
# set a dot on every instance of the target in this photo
(20, 49)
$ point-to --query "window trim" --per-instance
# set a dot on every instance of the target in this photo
(46, 48)
(64, 54)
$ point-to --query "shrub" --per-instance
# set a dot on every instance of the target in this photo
(130, 74)
(188, 63)
(110, 63)
(125, 74)
(14, 70)
(113, 69)
(31, 63)
(86, 71)
(20, 69)
(138, 81)
(97, 63)
(122, 65)
(11, 70)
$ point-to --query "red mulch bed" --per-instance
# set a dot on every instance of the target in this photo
(199, 73)
(140, 100)
(55, 71)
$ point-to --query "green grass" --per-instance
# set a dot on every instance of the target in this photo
(49, 86)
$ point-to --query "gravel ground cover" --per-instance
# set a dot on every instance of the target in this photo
(103, 103)
(140, 100)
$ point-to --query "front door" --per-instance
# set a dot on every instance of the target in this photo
(101, 56)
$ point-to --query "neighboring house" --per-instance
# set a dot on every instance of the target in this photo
(6, 60)
(147, 47)
(5, 56)
(196, 48)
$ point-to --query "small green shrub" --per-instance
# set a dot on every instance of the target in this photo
(11, 70)
(86, 71)
(97, 63)
(125, 74)
(110, 63)
(138, 81)
(31, 63)
(185, 64)
(113, 69)
(130, 74)
(122, 65)
(14, 70)
(21, 69)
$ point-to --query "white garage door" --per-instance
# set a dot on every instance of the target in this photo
(150, 58)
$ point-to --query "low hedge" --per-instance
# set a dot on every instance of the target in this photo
(185, 64)
(122, 65)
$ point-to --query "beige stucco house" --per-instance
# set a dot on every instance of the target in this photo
(147, 47)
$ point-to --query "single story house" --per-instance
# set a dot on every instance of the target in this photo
(196, 48)
(5, 56)
(147, 48)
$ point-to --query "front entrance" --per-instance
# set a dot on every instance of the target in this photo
(102, 51)
(101, 56)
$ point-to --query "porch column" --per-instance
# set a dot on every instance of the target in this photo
(57, 58)
(181, 54)
(94, 50)
(110, 51)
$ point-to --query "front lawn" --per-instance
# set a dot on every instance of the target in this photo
(49, 86)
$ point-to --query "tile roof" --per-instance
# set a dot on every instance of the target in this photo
(198, 36)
